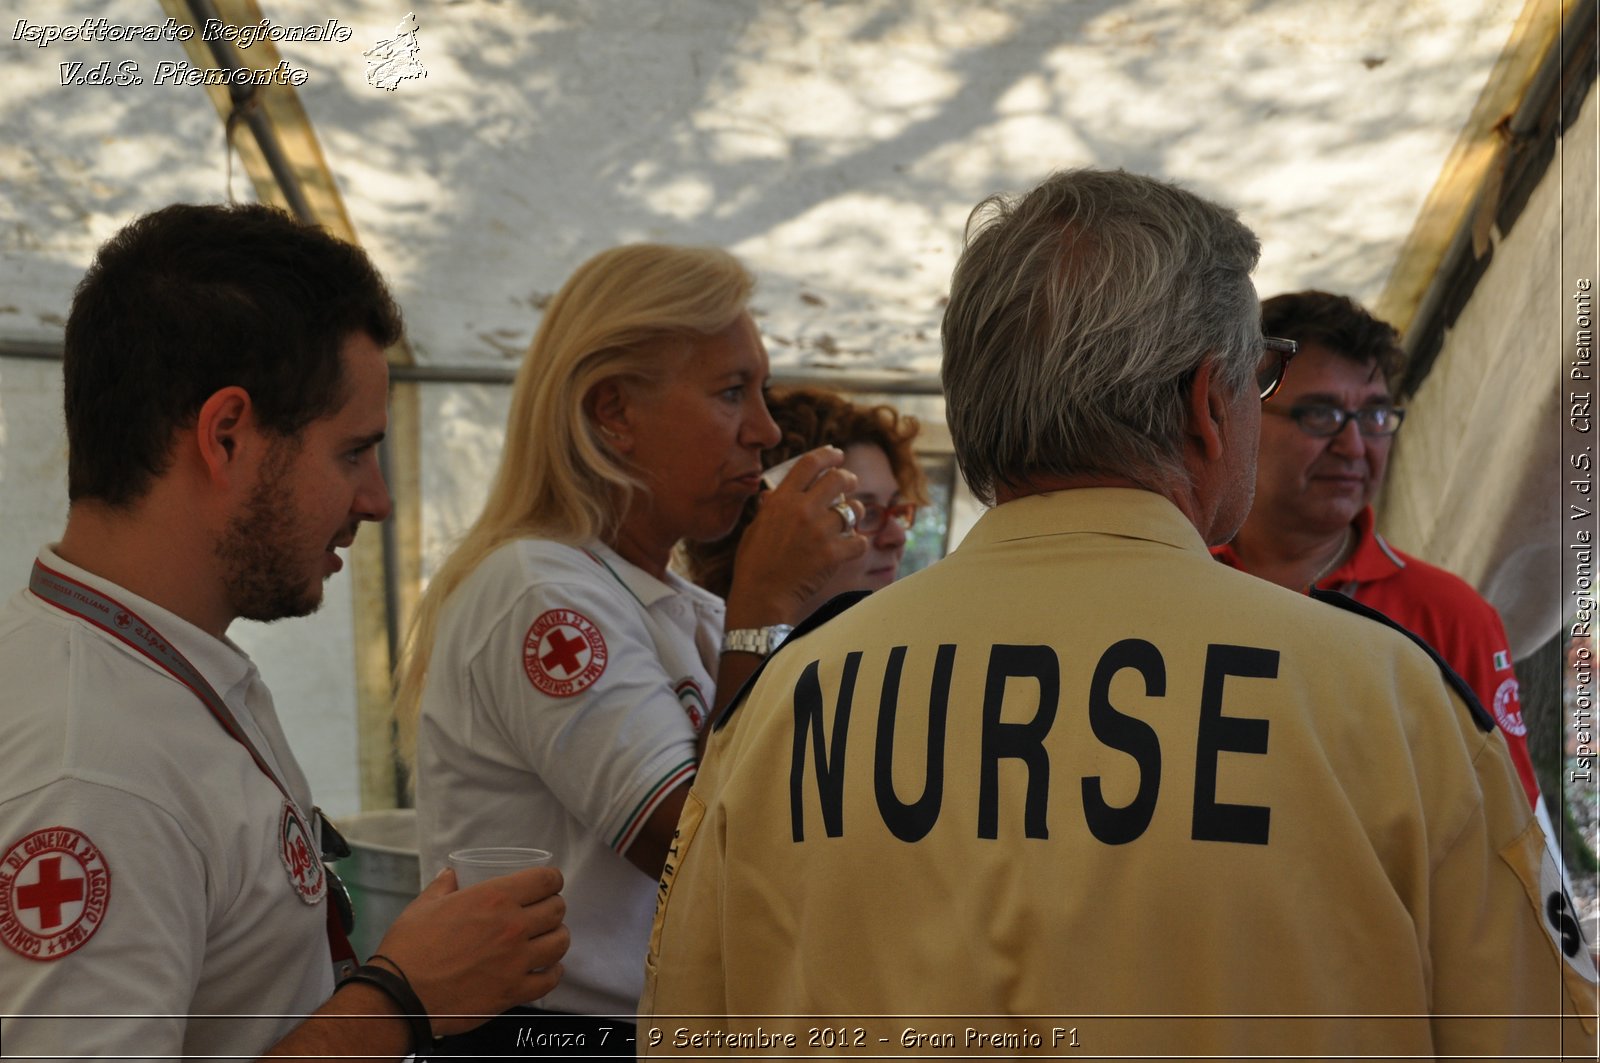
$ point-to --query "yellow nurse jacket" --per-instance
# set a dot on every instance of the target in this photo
(1078, 789)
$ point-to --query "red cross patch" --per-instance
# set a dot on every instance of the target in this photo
(300, 857)
(563, 653)
(54, 890)
(694, 702)
(1508, 708)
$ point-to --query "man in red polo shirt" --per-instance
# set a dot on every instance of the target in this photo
(1324, 451)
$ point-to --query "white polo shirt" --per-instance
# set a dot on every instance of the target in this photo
(145, 874)
(564, 695)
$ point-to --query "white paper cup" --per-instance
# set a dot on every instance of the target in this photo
(475, 865)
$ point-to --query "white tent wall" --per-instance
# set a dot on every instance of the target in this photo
(837, 147)
(1476, 482)
(464, 425)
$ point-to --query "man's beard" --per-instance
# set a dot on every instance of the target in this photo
(258, 551)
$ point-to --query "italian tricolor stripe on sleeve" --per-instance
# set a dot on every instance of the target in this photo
(641, 812)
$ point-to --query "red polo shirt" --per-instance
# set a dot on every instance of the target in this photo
(1448, 614)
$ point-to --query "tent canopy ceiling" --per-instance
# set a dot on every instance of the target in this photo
(837, 147)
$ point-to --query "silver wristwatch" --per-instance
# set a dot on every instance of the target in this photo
(757, 640)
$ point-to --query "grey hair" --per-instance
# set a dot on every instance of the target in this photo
(1078, 314)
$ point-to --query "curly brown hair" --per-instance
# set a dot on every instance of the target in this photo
(810, 418)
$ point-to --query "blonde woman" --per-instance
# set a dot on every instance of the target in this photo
(560, 682)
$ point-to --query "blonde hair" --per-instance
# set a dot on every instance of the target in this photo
(557, 480)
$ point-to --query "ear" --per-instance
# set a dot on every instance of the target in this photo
(220, 429)
(1208, 412)
(607, 405)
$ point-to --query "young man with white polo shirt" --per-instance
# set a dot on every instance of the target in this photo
(160, 856)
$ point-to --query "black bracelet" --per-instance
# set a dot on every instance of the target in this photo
(399, 990)
(399, 970)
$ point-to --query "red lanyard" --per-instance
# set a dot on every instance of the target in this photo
(129, 628)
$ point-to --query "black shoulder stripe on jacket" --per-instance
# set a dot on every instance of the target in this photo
(825, 612)
(1480, 715)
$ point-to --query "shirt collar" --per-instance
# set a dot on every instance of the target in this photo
(224, 665)
(1371, 557)
(647, 589)
(1121, 511)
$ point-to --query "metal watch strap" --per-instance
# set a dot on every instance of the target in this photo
(757, 640)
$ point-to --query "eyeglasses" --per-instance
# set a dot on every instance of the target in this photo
(1324, 421)
(874, 517)
(1269, 374)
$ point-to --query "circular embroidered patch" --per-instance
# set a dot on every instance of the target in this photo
(300, 859)
(54, 891)
(563, 653)
(1508, 709)
(694, 703)
(1561, 921)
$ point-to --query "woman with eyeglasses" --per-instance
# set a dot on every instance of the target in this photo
(877, 445)
(560, 682)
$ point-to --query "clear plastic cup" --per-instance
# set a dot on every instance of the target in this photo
(475, 865)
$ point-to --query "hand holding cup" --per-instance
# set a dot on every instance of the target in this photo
(800, 536)
(473, 866)
(474, 952)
